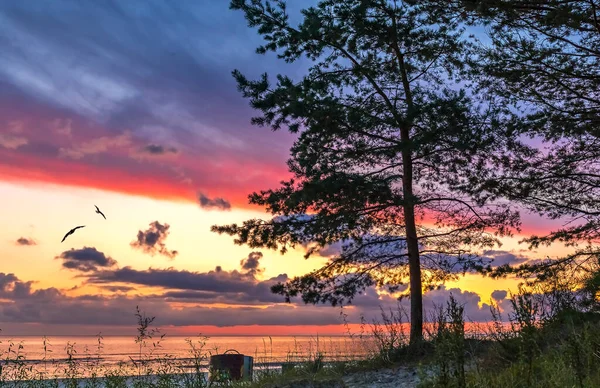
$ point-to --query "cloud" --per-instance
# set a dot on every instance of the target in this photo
(25, 241)
(370, 303)
(16, 126)
(218, 203)
(386, 246)
(499, 294)
(166, 176)
(469, 300)
(155, 149)
(451, 263)
(173, 93)
(152, 240)
(63, 127)
(171, 87)
(96, 146)
(251, 264)
(118, 310)
(11, 287)
(334, 249)
(215, 286)
(499, 258)
(20, 303)
(12, 142)
(87, 259)
(6, 279)
(171, 278)
(155, 152)
(118, 288)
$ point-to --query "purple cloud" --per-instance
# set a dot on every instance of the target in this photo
(499, 295)
(152, 240)
(86, 259)
(213, 203)
(23, 241)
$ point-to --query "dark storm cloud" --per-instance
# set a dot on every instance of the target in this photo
(152, 240)
(87, 259)
(25, 241)
(155, 149)
(214, 203)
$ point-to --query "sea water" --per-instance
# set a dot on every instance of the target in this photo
(114, 352)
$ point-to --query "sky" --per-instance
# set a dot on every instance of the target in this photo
(131, 106)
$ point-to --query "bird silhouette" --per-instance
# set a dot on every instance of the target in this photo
(70, 232)
(99, 212)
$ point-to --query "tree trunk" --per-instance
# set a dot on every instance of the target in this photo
(412, 241)
(414, 267)
(412, 244)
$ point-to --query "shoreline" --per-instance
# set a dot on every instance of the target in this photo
(129, 373)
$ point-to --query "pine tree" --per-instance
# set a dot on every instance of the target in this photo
(543, 61)
(384, 133)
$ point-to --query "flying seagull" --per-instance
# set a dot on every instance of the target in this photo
(99, 212)
(70, 232)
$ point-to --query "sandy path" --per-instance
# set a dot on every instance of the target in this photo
(400, 377)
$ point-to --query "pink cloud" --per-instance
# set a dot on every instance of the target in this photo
(87, 154)
(11, 141)
(96, 146)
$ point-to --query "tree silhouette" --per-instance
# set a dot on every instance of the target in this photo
(382, 141)
(544, 62)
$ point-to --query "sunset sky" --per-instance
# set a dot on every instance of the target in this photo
(131, 106)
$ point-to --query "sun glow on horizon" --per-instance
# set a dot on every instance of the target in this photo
(44, 212)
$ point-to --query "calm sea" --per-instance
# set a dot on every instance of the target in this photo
(114, 350)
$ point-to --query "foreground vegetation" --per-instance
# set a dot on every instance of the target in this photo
(541, 346)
